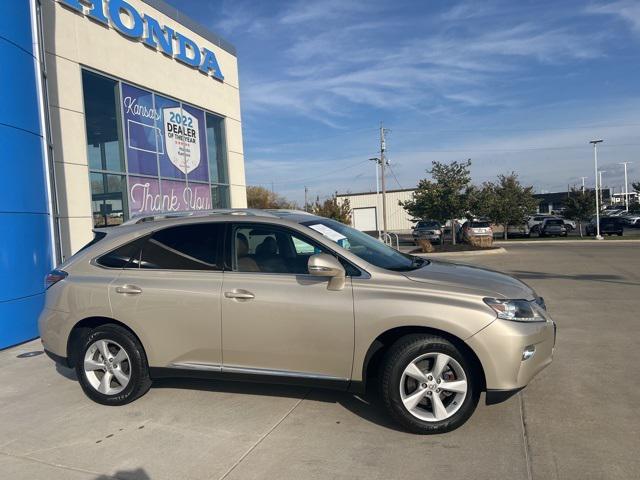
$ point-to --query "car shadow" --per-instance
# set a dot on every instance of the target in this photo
(137, 474)
(367, 406)
(589, 277)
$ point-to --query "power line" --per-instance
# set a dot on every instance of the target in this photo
(394, 176)
(516, 129)
(308, 179)
(526, 149)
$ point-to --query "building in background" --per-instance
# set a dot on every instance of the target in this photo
(113, 109)
(555, 202)
(366, 214)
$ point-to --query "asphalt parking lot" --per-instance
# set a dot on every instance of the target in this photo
(577, 419)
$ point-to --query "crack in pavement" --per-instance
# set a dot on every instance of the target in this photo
(267, 433)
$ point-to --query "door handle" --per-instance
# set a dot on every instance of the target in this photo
(131, 289)
(239, 295)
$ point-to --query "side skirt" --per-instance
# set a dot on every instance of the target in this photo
(253, 376)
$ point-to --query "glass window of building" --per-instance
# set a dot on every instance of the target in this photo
(148, 153)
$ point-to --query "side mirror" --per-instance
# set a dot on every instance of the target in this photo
(324, 265)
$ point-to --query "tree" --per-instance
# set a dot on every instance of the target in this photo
(331, 208)
(580, 206)
(506, 202)
(443, 198)
(260, 197)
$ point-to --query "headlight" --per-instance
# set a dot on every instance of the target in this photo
(518, 310)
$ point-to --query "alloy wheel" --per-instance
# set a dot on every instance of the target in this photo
(433, 387)
(107, 367)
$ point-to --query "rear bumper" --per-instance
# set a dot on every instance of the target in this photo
(57, 358)
(500, 348)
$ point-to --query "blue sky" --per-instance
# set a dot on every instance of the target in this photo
(514, 85)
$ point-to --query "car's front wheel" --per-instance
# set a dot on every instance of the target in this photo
(111, 366)
(428, 384)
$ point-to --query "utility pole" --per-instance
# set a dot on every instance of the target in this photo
(377, 160)
(626, 186)
(595, 160)
(383, 161)
(306, 193)
(583, 179)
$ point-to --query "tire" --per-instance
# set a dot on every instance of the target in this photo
(134, 366)
(396, 384)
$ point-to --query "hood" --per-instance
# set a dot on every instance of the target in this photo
(489, 282)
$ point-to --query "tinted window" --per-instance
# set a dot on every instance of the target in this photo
(122, 256)
(479, 224)
(188, 247)
(268, 249)
(554, 222)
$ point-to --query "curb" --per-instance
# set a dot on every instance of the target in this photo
(493, 251)
(544, 242)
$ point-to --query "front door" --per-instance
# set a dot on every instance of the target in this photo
(169, 293)
(276, 318)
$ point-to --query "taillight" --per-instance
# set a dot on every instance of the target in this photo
(54, 276)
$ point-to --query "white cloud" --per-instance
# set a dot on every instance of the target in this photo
(627, 10)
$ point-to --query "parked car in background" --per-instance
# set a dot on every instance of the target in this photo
(552, 227)
(534, 222)
(151, 299)
(446, 233)
(608, 226)
(512, 231)
(631, 220)
(476, 228)
(428, 229)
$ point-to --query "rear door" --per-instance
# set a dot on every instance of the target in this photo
(169, 293)
(276, 318)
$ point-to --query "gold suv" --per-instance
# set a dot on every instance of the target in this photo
(287, 297)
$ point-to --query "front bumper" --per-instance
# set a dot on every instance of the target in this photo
(500, 347)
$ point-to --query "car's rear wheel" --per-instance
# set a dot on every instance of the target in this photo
(428, 385)
(111, 366)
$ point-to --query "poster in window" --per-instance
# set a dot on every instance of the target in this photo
(184, 136)
(141, 134)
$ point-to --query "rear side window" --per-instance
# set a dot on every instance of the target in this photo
(121, 257)
(186, 247)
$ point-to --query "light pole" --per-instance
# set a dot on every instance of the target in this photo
(626, 186)
(600, 172)
(583, 179)
(377, 160)
(595, 160)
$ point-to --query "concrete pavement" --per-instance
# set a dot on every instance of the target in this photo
(576, 420)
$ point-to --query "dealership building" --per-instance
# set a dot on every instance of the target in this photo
(110, 109)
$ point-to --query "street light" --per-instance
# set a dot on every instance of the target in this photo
(377, 160)
(626, 186)
(595, 160)
(600, 172)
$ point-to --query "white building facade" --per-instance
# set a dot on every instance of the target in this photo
(144, 111)
(366, 210)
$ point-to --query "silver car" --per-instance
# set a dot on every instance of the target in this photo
(288, 297)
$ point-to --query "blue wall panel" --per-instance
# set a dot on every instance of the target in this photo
(18, 99)
(25, 243)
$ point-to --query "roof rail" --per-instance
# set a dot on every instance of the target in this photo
(197, 213)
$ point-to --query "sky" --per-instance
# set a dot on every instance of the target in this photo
(513, 85)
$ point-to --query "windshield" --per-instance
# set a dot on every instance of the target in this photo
(428, 225)
(479, 224)
(364, 246)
